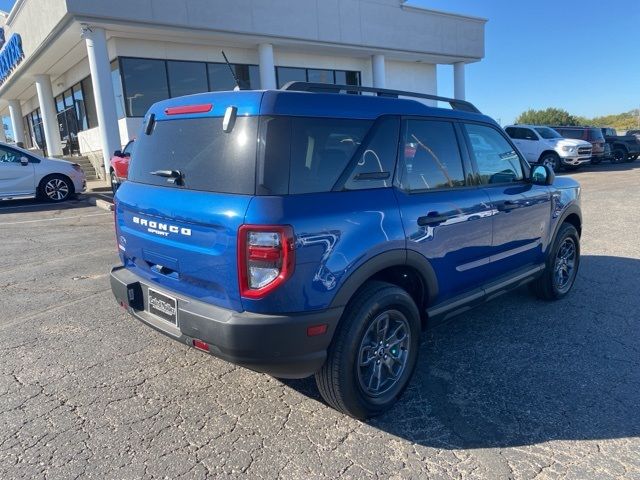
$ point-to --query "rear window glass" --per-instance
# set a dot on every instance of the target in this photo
(207, 158)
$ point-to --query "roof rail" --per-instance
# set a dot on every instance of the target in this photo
(380, 92)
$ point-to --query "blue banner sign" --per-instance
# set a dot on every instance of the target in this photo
(10, 56)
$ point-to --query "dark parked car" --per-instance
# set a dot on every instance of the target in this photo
(592, 135)
(624, 148)
(305, 231)
(635, 133)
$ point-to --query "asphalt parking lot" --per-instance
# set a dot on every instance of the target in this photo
(518, 388)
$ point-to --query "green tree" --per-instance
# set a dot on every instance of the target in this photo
(548, 116)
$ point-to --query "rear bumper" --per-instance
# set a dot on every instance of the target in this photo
(274, 344)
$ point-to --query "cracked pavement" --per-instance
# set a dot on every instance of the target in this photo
(517, 388)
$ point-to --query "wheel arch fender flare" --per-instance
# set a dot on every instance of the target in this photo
(572, 209)
(382, 261)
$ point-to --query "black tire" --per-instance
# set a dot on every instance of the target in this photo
(548, 286)
(56, 188)
(552, 160)
(114, 182)
(341, 381)
(620, 155)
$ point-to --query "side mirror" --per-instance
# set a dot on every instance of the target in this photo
(117, 153)
(24, 161)
(542, 175)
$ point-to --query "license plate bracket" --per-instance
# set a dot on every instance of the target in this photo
(163, 306)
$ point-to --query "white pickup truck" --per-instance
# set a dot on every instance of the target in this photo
(543, 145)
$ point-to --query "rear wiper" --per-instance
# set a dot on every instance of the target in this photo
(172, 176)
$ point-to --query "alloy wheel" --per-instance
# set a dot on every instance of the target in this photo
(383, 353)
(565, 265)
(56, 189)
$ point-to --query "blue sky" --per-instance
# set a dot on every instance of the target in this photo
(580, 55)
(6, 4)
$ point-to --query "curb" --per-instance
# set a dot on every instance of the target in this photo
(103, 204)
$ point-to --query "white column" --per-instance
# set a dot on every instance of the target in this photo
(458, 81)
(379, 73)
(267, 67)
(15, 111)
(49, 115)
(100, 68)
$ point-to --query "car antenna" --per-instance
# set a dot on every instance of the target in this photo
(237, 87)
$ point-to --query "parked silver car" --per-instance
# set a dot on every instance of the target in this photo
(26, 175)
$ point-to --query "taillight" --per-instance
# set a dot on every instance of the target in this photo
(266, 258)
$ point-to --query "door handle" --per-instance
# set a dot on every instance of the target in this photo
(509, 205)
(432, 219)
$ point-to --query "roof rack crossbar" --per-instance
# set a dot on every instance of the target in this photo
(455, 104)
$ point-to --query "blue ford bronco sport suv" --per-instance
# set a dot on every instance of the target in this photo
(308, 231)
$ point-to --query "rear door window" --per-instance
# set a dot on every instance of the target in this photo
(207, 158)
(430, 156)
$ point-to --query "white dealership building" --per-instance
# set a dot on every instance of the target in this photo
(76, 76)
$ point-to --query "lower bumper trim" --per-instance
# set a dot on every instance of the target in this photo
(274, 344)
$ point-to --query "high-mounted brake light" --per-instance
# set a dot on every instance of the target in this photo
(184, 109)
(266, 258)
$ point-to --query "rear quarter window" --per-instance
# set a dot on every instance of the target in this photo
(306, 155)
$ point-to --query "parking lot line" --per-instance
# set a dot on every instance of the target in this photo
(57, 218)
(31, 205)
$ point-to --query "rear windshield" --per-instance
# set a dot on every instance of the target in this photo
(207, 158)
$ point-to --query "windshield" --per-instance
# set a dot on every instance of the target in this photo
(206, 157)
(548, 133)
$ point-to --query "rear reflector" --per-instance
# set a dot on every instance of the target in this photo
(315, 330)
(200, 345)
(205, 107)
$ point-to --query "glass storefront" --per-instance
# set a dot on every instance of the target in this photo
(146, 81)
(140, 82)
(72, 107)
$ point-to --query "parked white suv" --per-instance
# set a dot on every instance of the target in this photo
(545, 146)
(25, 175)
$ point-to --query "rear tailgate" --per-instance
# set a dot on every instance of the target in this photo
(190, 183)
(182, 240)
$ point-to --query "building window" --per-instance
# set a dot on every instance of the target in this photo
(89, 102)
(290, 74)
(186, 78)
(316, 75)
(117, 88)
(27, 132)
(35, 131)
(145, 83)
(221, 79)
